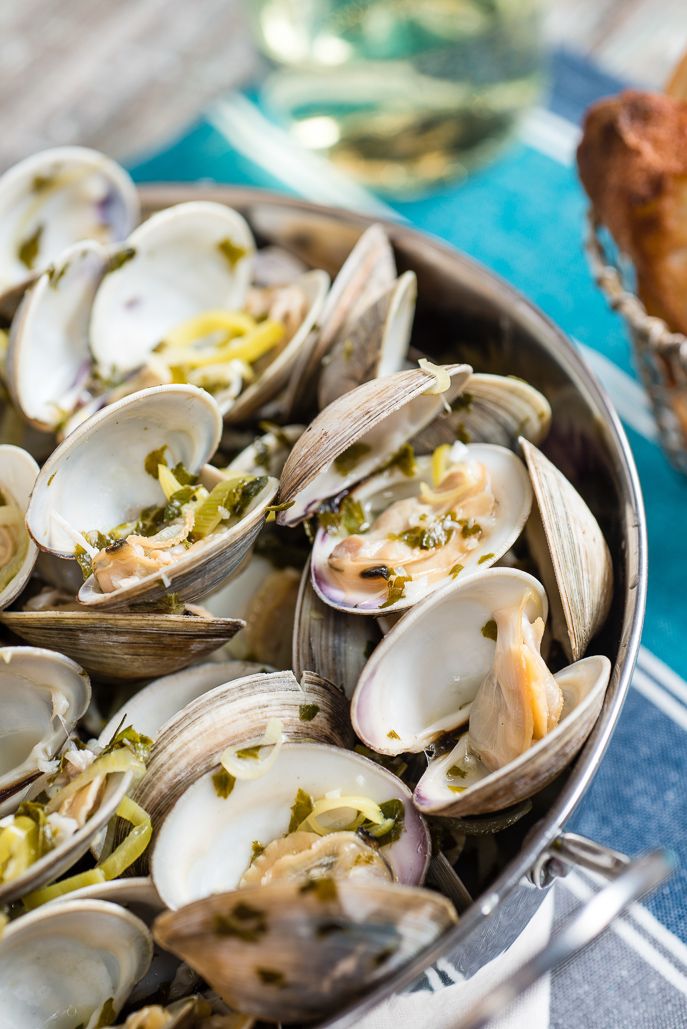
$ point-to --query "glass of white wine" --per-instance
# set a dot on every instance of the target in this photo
(403, 94)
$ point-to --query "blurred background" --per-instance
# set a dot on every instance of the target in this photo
(434, 84)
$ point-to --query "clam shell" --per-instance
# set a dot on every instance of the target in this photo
(154, 705)
(374, 345)
(575, 563)
(267, 454)
(192, 741)
(278, 372)
(492, 409)
(331, 642)
(55, 198)
(381, 414)
(122, 647)
(33, 726)
(351, 938)
(66, 854)
(422, 678)
(204, 844)
(369, 268)
(177, 270)
(68, 961)
(513, 498)
(584, 685)
(48, 357)
(18, 472)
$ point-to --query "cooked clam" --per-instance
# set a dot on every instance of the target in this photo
(458, 783)
(206, 843)
(18, 552)
(571, 553)
(71, 964)
(350, 934)
(360, 431)
(48, 358)
(373, 344)
(127, 491)
(42, 696)
(53, 199)
(422, 679)
(236, 714)
(407, 531)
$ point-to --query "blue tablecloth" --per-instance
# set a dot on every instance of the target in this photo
(523, 217)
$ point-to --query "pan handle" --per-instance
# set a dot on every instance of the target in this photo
(631, 879)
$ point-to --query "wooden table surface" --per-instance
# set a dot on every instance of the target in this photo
(125, 75)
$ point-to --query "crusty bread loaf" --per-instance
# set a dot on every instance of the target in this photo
(632, 162)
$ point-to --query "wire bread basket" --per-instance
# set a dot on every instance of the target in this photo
(660, 355)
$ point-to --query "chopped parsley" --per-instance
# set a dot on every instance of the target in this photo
(391, 828)
(306, 712)
(463, 402)
(456, 570)
(489, 630)
(432, 534)
(395, 589)
(456, 772)
(27, 251)
(349, 517)
(403, 459)
(468, 528)
(351, 457)
(256, 849)
(119, 259)
(393, 735)
(154, 459)
(231, 252)
(300, 809)
(223, 782)
(485, 557)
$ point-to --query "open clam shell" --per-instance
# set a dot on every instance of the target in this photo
(187, 259)
(374, 344)
(378, 416)
(491, 409)
(96, 480)
(205, 842)
(356, 595)
(421, 680)
(369, 268)
(121, 647)
(276, 375)
(18, 472)
(42, 697)
(52, 864)
(53, 199)
(267, 454)
(331, 642)
(69, 963)
(153, 706)
(48, 358)
(573, 556)
(349, 936)
(583, 685)
(192, 742)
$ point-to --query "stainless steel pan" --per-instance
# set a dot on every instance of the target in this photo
(468, 312)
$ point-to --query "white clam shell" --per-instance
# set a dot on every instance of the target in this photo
(373, 343)
(48, 357)
(150, 708)
(59, 965)
(276, 375)
(309, 954)
(583, 685)
(42, 696)
(204, 844)
(177, 271)
(85, 196)
(381, 414)
(421, 680)
(513, 498)
(18, 472)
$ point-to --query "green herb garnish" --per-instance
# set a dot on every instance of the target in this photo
(432, 534)
(463, 402)
(231, 252)
(393, 735)
(456, 772)
(256, 849)
(489, 630)
(27, 251)
(485, 557)
(351, 457)
(456, 570)
(300, 809)
(306, 712)
(153, 459)
(468, 528)
(224, 782)
(119, 259)
(349, 517)
(403, 459)
(323, 887)
(391, 828)
(244, 922)
(395, 589)
(249, 753)
(139, 744)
